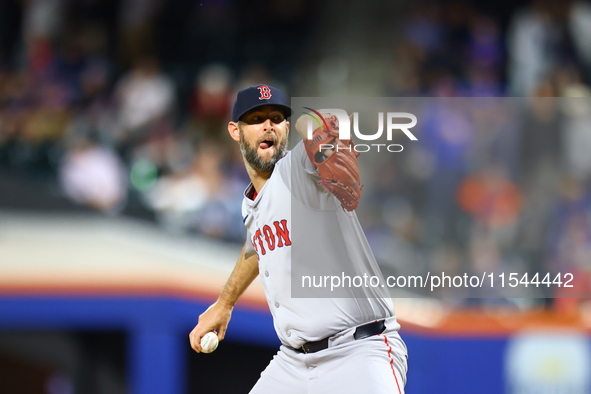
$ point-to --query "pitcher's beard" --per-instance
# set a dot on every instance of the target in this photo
(252, 157)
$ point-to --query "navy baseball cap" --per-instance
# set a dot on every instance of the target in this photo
(257, 96)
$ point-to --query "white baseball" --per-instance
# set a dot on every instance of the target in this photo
(209, 342)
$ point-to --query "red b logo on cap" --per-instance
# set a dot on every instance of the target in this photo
(265, 92)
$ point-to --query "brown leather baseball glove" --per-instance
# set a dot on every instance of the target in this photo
(336, 162)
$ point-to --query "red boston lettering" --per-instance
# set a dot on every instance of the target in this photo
(282, 233)
(269, 237)
(277, 237)
(259, 238)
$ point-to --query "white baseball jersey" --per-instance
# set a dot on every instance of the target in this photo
(326, 239)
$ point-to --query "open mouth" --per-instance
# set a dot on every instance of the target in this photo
(266, 144)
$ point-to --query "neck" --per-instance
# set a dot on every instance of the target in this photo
(258, 178)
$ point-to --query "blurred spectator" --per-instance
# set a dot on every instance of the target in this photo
(136, 29)
(498, 133)
(570, 233)
(576, 111)
(544, 36)
(540, 144)
(200, 197)
(145, 96)
(570, 240)
(42, 19)
(211, 100)
(484, 56)
(93, 175)
(490, 198)
(448, 134)
(47, 121)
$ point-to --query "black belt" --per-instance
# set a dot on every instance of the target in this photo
(364, 331)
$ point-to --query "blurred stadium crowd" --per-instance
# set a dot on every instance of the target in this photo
(125, 103)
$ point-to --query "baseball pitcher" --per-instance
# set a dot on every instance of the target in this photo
(329, 344)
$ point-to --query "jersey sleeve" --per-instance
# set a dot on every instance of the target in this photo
(248, 246)
(302, 180)
(301, 168)
(303, 161)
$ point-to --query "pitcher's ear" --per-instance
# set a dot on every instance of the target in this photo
(234, 131)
